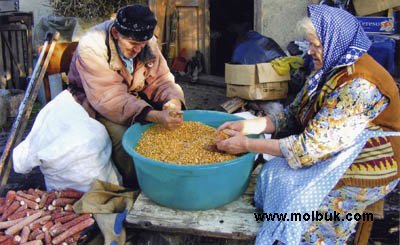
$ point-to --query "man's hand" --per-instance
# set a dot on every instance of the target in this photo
(173, 104)
(236, 144)
(166, 118)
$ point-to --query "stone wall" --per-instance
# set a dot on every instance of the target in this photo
(39, 8)
(279, 19)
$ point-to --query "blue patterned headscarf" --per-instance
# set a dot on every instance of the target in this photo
(342, 37)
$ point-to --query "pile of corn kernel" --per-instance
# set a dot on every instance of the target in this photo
(185, 145)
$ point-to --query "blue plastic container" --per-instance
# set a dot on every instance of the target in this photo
(190, 187)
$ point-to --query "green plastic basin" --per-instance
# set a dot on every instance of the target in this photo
(190, 187)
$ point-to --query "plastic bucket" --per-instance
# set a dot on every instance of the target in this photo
(190, 187)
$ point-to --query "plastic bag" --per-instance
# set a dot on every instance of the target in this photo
(71, 148)
(256, 48)
(383, 50)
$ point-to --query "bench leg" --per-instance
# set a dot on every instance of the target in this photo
(363, 232)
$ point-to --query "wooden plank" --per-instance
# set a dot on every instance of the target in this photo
(159, 7)
(188, 30)
(194, 29)
(14, 59)
(25, 53)
(13, 27)
(187, 3)
(7, 60)
(21, 51)
(3, 81)
(206, 40)
(233, 221)
(167, 28)
(30, 51)
(173, 40)
(24, 112)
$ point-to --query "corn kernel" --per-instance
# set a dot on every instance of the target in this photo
(185, 145)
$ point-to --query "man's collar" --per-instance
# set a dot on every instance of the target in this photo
(115, 60)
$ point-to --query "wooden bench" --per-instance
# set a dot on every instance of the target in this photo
(235, 220)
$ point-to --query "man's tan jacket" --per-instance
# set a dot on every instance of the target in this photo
(101, 83)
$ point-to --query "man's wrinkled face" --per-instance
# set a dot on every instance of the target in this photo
(129, 47)
(315, 50)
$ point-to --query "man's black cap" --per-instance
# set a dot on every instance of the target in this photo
(136, 21)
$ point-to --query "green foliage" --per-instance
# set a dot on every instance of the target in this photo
(90, 9)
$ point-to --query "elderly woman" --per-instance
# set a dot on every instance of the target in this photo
(347, 94)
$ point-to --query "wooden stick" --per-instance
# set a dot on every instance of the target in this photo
(6, 224)
(73, 230)
(19, 226)
(66, 218)
(57, 214)
(47, 226)
(71, 193)
(47, 238)
(43, 200)
(58, 229)
(10, 197)
(31, 204)
(25, 234)
(24, 112)
(28, 196)
(32, 192)
(68, 208)
(61, 202)
(20, 214)
(39, 222)
(34, 234)
(50, 197)
(10, 210)
(34, 242)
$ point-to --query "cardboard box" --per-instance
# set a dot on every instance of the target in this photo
(262, 91)
(367, 7)
(382, 25)
(255, 82)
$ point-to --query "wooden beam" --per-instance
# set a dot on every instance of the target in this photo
(207, 37)
(3, 80)
(258, 15)
(188, 3)
(159, 7)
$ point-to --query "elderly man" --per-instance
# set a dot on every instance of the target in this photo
(120, 77)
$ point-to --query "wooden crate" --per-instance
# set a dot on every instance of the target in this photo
(16, 59)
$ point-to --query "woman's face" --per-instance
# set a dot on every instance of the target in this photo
(315, 50)
(129, 47)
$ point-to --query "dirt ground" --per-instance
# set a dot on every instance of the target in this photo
(207, 97)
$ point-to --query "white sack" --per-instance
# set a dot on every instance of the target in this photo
(71, 148)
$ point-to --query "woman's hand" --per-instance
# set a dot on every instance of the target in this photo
(236, 144)
(250, 126)
(234, 125)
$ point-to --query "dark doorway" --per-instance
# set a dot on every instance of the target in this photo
(229, 20)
